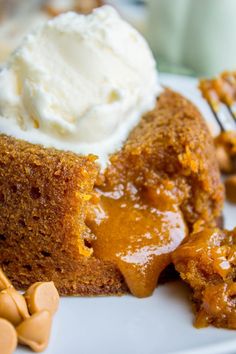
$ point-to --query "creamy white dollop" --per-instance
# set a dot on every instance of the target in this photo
(78, 83)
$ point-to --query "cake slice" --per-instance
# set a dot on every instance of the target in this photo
(88, 84)
(44, 196)
(50, 224)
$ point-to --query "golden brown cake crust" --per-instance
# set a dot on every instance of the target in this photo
(173, 143)
(44, 196)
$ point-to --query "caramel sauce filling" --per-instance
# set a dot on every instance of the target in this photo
(137, 232)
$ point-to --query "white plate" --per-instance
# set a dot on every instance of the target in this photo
(160, 324)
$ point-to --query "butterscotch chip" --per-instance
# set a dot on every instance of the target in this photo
(35, 331)
(230, 187)
(13, 306)
(42, 296)
(8, 337)
(4, 281)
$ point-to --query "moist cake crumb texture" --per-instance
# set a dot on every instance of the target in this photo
(172, 143)
(48, 197)
(44, 197)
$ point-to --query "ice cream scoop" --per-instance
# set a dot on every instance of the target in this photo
(79, 83)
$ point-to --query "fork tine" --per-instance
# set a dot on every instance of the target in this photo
(211, 97)
(222, 128)
(220, 92)
(231, 112)
(216, 115)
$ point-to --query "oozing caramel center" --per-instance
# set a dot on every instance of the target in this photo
(136, 234)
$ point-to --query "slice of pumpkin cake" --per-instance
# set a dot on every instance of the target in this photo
(88, 85)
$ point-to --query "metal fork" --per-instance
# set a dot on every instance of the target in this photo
(220, 94)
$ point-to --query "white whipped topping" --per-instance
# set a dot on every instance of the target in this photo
(78, 83)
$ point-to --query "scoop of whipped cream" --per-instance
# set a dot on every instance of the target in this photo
(78, 83)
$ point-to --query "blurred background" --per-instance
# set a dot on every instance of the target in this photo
(192, 37)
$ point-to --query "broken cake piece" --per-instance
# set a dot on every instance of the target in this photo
(207, 262)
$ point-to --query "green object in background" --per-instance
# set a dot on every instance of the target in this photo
(165, 67)
(193, 36)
